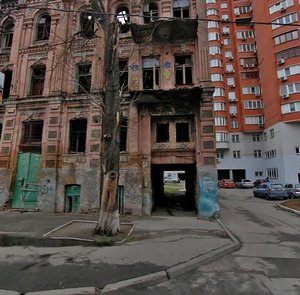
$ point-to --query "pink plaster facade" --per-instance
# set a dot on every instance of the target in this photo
(61, 102)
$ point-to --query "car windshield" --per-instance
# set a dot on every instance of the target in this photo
(297, 186)
(276, 186)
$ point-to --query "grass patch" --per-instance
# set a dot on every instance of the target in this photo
(173, 187)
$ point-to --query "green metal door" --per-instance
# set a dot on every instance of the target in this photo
(26, 188)
(72, 203)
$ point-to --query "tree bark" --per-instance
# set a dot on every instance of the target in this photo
(108, 223)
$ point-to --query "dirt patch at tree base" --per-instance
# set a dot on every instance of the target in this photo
(292, 204)
(82, 230)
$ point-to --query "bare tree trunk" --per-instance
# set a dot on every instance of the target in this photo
(108, 223)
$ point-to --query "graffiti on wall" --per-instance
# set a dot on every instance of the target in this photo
(208, 204)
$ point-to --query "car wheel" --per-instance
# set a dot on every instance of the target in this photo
(292, 196)
(267, 197)
(255, 195)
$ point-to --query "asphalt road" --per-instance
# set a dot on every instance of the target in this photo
(267, 263)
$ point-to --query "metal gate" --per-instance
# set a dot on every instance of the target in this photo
(26, 189)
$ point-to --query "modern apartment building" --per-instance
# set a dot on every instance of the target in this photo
(52, 65)
(254, 50)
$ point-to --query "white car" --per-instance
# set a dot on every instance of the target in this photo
(244, 183)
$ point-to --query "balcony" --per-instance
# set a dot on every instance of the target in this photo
(165, 31)
(222, 145)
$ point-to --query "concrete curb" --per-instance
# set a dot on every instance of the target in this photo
(71, 291)
(179, 269)
(287, 209)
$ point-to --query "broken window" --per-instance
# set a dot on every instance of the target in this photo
(43, 28)
(37, 80)
(32, 136)
(5, 83)
(84, 76)
(162, 132)
(123, 65)
(77, 135)
(123, 18)
(182, 132)
(151, 72)
(7, 35)
(150, 12)
(181, 8)
(183, 70)
(86, 24)
(123, 135)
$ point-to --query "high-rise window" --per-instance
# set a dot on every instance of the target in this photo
(43, 28)
(84, 78)
(181, 8)
(77, 134)
(151, 73)
(37, 80)
(183, 70)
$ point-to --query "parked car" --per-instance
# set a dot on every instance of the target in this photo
(171, 180)
(270, 191)
(293, 190)
(226, 183)
(258, 181)
(244, 183)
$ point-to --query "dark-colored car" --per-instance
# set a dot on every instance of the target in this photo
(226, 183)
(269, 191)
(258, 181)
(293, 190)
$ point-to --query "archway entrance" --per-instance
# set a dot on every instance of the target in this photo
(173, 189)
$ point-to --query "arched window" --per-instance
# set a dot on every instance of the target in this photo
(8, 32)
(43, 27)
(123, 18)
(150, 12)
(87, 24)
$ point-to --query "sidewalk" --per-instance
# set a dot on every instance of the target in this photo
(157, 249)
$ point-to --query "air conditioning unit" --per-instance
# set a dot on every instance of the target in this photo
(231, 85)
(283, 78)
(285, 96)
(230, 57)
(233, 114)
(251, 66)
(261, 125)
(280, 61)
(232, 100)
(218, 160)
(257, 94)
(245, 66)
(244, 38)
(225, 33)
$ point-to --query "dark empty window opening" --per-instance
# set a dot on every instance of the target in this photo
(150, 12)
(84, 74)
(78, 135)
(43, 28)
(181, 8)
(32, 136)
(1, 126)
(8, 35)
(162, 132)
(183, 70)
(123, 136)
(123, 18)
(37, 80)
(182, 132)
(151, 72)
(87, 24)
(123, 65)
(7, 76)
